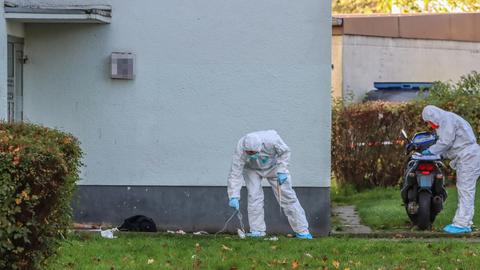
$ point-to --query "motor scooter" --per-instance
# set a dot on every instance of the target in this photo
(423, 190)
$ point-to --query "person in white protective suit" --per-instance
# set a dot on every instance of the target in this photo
(457, 142)
(258, 155)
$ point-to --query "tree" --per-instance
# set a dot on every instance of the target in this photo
(361, 6)
(403, 6)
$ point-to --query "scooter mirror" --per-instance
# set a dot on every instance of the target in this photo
(404, 134)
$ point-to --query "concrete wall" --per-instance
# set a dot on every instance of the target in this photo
(370, 59)
(193, 208)
(337, 62)
(431, 26)
(3, 66)
(207, 73)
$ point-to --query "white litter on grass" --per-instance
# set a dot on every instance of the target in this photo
(226, 248)
(241, 233)
(108, 233)
(176, 232)
(272, 238)
(200, 233)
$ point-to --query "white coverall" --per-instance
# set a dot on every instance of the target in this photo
(273, 158)
(457, 142)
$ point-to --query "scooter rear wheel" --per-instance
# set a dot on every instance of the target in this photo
(423, 216)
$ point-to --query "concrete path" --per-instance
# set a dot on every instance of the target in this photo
(350, 226)
(350, 221)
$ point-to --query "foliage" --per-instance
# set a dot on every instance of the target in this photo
(38, 171)
(462, 98)
(159, 251)
(403, 6)
(361, 6)
(367, 150)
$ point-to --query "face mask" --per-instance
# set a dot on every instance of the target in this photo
(433, 125)
(254, 156)
(264, 160)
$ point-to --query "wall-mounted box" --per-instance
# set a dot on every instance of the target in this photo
(123, 65)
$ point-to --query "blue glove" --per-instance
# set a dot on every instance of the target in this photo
(427, 152)
(234, 203)
(282, 177)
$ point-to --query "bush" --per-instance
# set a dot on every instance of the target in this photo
(367, 150)
(38, 171)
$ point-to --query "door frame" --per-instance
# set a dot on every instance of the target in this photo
(15, 79)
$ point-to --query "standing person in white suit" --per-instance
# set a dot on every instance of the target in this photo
(258, 155)
(457, 142)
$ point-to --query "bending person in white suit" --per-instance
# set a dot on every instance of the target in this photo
(258, 155)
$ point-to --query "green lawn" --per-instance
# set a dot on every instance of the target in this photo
(160, 251)
(381, 208)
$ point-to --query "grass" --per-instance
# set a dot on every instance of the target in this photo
(381, 208)
(160, 251)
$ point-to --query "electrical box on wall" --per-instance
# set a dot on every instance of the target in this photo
(123, 65)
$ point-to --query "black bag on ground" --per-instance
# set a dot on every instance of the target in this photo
(138, 223)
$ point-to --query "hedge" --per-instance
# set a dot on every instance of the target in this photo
(367, 150)
(38, 171)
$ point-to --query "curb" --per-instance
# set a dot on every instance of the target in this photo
(408, 235)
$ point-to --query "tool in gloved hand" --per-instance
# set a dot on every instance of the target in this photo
(235, 204)
(281, 178)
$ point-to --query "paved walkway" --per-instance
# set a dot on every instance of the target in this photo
(350, 221)
(351, 227)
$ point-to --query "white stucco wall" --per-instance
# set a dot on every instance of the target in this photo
(207, 73)
(370, 59)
